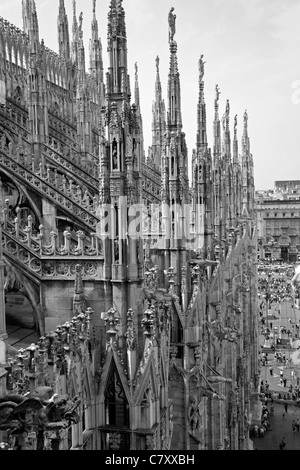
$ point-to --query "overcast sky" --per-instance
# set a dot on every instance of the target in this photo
(251, 49)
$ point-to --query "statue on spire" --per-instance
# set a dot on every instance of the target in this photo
(224, 122)
(172, 27)
(80, 21)
(217, 95)
(227, 111)
(157, 63)
(94, 6)
(201, 68)
(245, 118)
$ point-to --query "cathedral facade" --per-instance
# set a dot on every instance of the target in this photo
(142, 284)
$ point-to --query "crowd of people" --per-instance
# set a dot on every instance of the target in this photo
(279, 332)
(267, 411)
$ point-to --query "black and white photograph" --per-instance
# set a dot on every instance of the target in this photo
(150, 228)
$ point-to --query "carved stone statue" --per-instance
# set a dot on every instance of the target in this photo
(172, 27)
(37, 412)
(157, 64)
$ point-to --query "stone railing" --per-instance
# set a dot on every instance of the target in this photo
(87, 173)
(44, 268)
(72, 155)
(68, 130)
(48, 183)
(15, 120)
(45, 260)
(16, 114)
(36, 241)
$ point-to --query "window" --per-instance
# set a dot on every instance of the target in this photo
(275, 214)
(283, 214)
(116, 405)
(267, 214)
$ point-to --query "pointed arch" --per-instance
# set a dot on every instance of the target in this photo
(115, 400)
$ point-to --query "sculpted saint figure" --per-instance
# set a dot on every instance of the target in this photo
(217, 94)
(80, 21)
(172, 28)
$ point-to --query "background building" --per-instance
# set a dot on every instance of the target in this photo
(278, 222)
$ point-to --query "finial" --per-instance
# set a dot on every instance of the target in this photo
(94, 7)
(74, 7)
(172, 27)
(136, 69)
(245, 118)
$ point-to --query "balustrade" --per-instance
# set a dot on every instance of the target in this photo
(53, 186)
(36, 241)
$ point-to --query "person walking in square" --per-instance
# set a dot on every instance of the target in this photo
(282, 444)
(281, 381)
(271, 370)
(284, 381)
(285, 406)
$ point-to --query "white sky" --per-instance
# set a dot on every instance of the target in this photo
(251, 49)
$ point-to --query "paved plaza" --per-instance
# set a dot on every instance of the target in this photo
(281, 421)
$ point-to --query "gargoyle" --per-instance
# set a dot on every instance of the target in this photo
(20, 413)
